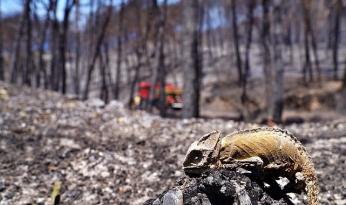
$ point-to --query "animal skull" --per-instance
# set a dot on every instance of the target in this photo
(203, 153)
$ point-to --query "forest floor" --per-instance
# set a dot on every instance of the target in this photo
(106, 154)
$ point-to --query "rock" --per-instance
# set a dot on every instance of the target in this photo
(216, 187)
(95, 102)
(283, 181)
(4, 94)
(2, 185)
(70, 143)
(340, 202)
(113, 104)
(173, 197)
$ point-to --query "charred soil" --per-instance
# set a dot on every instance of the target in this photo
(106, 154)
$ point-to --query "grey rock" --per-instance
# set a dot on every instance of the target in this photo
(218, 187)
(2, 185)
(95, 102)
(173, 197)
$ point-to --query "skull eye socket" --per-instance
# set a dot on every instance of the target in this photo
(236, 154)
(195, 157)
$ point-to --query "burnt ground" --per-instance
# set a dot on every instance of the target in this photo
(110, 155)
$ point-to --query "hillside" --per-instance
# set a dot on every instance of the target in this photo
(106, 154)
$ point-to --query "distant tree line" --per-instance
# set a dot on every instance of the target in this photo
(104, 48)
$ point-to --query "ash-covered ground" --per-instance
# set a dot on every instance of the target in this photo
(110, 155)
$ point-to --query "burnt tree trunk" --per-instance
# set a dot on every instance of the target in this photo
(315, 52)
(41, 64)
(119, 52)
(76, 75)
(17, 48)
(250, 17)
(54, 72)
(344, 82)
(63, 43)
(343, 90)
(236, 42)
(266, 43)
(97, 51)
(161, 68)
(330, 27)
(154, 71)
(344, 77)
(336, 39)
(310, 38)
(307, 64)
(193, 65)
(135, 77)
(159, 71)
(104, 87)
(140, 51)
(277, 103)
(2, 69)
(107, 69)
(28, 68)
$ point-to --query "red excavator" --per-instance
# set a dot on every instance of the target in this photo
(173, 96)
